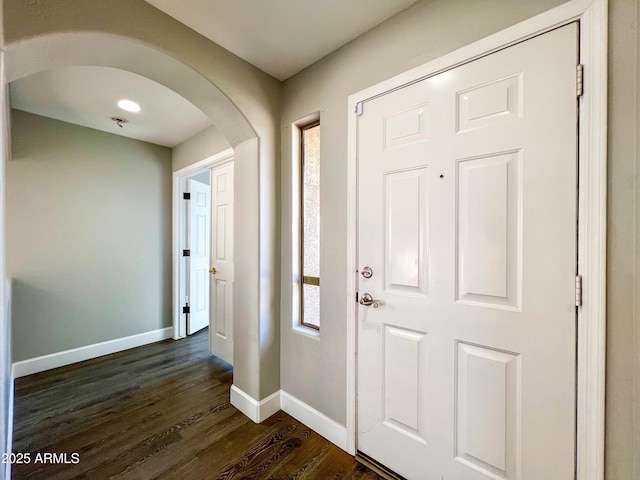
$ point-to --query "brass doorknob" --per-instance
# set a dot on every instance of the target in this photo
(213, 271)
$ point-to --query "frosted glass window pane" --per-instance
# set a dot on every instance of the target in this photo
(311, 302)
(311, 225)
(311, 201)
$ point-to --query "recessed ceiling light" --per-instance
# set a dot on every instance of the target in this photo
(129, 106)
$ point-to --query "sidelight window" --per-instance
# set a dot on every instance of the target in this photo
(310, 225)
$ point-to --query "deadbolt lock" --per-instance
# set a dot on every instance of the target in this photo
(367, 272)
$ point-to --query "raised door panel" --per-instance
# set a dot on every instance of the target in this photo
(221, 308)
(490, 104)
(489, 253)
(221, 183)
(405, 379)
(221, 233)
(406, 269)
(488, 410)
(200, 302)
(201, 237)
(406, 127)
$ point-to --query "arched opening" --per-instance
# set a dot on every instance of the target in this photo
(256, 361)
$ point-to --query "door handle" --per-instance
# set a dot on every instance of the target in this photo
(368, 300)
(213, 271)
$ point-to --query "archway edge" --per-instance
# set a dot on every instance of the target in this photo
(255, 310)
(57, 50)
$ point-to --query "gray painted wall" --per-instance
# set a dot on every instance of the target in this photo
(623, 327)
(202, 145)
(632, 407)
(315, 371)
(88, 236)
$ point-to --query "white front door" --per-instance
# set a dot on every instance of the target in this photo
(467, 220)
(198, 240)
(221, 331)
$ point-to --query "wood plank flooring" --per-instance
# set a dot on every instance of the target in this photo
(161, 411)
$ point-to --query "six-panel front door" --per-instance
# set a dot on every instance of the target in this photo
(467, 220)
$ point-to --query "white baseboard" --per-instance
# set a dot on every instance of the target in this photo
(269, 406)
(312, 418)
(67, 357)
(281, 400)
(256, 411)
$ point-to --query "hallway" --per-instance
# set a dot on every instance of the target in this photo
(161, 411)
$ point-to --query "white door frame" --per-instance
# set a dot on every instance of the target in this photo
(592, 218)
(179, 226)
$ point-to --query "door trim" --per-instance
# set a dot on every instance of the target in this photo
(179, 225)
(592, 215)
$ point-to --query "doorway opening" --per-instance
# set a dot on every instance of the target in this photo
(203, 252)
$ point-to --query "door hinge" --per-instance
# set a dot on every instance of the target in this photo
(186, 196)
(186, 309)
(359, 108)
(579, 80)
(578, 290)
(186, 253)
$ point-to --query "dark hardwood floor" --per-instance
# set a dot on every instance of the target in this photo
(161, 411)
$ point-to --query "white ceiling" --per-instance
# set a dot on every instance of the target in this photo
(281, 37)
(87, 96)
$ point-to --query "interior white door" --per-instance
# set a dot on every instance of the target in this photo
(221, 331)
(467, 219)
(198, 239)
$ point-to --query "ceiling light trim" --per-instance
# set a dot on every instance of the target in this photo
(129, 106)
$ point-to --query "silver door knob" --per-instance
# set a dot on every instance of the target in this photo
(368, 300)
(367, 272)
